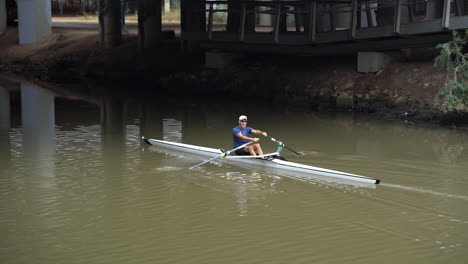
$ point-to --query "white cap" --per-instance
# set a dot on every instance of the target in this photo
(242, 117)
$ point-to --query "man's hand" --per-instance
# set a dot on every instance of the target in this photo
(264, 134)
(256, 139)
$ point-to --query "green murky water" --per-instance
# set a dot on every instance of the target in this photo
(77, 185)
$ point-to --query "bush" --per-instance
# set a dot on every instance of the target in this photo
(453, 58)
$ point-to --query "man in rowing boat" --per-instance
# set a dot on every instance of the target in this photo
(241, 136)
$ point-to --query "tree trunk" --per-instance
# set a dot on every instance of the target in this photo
(110, 27)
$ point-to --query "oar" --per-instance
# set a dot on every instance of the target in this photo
(223, 154)
(283, 145)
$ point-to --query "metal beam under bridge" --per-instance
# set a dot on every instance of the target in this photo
(316, 26)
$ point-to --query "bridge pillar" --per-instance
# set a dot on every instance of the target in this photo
(35, 21)
(3, 17)
(149, 23)
(192, 21)
(110, 27)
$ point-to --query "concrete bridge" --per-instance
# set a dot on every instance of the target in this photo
(312, 27)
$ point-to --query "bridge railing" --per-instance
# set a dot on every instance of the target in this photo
(324, 21)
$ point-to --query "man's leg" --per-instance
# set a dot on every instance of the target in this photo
(258, 149)
(250, 149)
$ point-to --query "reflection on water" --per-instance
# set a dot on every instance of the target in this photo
(4, 128)
(79, 186)
(172, 130)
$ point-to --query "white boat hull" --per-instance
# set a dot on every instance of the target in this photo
(275, 165)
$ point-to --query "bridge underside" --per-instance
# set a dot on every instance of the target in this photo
(321, 26)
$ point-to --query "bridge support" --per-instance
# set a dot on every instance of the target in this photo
(3, 17)
(110, 27)
(35, 21)
(149, 23)
(192, 22)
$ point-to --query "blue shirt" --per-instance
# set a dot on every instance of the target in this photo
(244, 131)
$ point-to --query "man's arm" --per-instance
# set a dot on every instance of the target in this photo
(246, 138)
(259, 132)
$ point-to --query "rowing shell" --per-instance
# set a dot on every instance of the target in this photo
(269, 161)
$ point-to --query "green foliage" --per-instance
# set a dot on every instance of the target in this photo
(454, 59)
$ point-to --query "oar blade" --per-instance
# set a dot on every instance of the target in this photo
(295, 152)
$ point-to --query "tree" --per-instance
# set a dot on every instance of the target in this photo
(454, 58)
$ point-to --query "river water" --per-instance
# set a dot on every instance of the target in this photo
(78, 185)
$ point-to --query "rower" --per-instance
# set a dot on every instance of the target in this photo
(241, 135)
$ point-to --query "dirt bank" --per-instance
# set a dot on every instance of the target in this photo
(408, 88)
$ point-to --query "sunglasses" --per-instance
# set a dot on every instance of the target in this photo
(244, 121)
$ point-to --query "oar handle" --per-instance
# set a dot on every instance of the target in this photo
(281, 144)
(223, 155)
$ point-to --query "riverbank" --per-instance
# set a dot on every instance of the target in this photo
(408, 88)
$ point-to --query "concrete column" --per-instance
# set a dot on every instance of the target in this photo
(192, 22)
(110, 27)
(149, 23)
(3, 17)
(35, 21)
